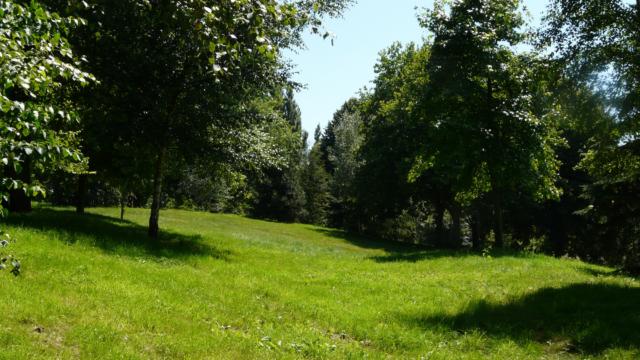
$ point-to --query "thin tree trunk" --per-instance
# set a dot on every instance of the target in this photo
(498, 228)
(157, 191)
(456, 226)
(497, 200)
(476, 236)
(81, 193)
(123, 199)
(560, 243)
(440, 224)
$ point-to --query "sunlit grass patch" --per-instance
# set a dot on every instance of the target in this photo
(223, 286)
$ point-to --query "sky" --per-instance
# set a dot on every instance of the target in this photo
(333, 74)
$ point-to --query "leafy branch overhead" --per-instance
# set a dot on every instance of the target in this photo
(36, 123)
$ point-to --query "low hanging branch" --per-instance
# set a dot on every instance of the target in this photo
(7, 261)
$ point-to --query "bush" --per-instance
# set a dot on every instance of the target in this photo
(7, 261)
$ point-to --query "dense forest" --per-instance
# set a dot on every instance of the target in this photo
(487, 135)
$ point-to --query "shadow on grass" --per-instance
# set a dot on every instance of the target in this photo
(620, 273)
(366, 243)
(405, 252)
(586, 318)
(115, 235)
(418, 256)
(423, 254)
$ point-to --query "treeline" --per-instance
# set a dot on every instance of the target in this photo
(489, 136)
(471, 140)
(484, 135)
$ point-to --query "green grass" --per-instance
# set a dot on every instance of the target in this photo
(223, 286)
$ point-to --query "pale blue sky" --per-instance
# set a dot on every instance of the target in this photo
(333, 74)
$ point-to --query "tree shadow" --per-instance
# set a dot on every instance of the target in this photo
(406, 252)
(367, 243)
(619, 273)
(418, 256)
(114, 235)
(587, 318)
(431, 254)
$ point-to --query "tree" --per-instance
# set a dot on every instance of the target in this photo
(291, 111)
(317, 187)
(594, 37)
(383, 190)
(328, 138)
(483, 133)
(598, 45)
(345, 162)
(36, 67)
(280, 193)
(182, 73)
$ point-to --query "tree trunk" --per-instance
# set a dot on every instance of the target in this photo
(498, 228)
(81, 194)
(456, 226)
(440, 225)
(497, 197)
(476, 235)
(558, 231)
(157, 191)
(123, 202)
(559, 243)
(19, 201)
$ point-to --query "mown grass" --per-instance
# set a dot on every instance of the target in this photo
(223, 286)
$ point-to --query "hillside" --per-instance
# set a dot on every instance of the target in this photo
(223, 286)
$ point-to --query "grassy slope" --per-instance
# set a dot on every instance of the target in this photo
(223, 286)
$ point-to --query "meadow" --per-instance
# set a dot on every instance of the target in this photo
(223, 286)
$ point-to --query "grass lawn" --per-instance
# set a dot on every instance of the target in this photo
(223, 286)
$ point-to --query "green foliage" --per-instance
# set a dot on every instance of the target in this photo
(463, 124)
(209, 187)
(478, 104)
(36, 66)
(338, 148)
(190, 76)
(327, 138)
(390, 135)
(597, 45)
(317, 188)
(291, 111)
(456, 123)
(257, 170)
(344, 159)
(7, 260)
(279, 186)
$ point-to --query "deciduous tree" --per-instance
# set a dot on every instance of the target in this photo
(36, 121)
